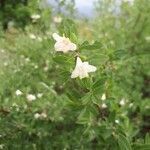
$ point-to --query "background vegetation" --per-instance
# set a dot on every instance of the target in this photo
(70, 113)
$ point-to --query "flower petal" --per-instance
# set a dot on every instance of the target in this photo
(72, 46)
(89, 68)
(56, 37)
(75, 74)
(78, 62)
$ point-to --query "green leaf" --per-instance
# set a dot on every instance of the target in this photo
(141, 146)
(124, 143)
(112, 116)
(85, 117)
(60, 59)
(95, 100)
(119, 54)
(99, 60)
(98, 86)
(147, 138)
(73, 37)
(86, 83)
(87, 46)
(67, 27)
(86, 99)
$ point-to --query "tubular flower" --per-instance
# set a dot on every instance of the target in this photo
(82, 69)
(63, 44)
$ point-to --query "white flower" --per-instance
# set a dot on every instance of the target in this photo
(57, 19)
(31, 97)
(14, 105)
(25, 106)
(43, 115)
(82, 69)
(36, 66)
(10, 24)
(35, 16)
(2, 50)
(104, 105)
(39, 95)
(37, 115)
(40, 116)
(130, 105)
(122, 102)
(63, 44)
(103, 97)
(147, 38)
(18, 92)
(27, 59)
(32, 36)
(117, 121)
(5, 63)
(46, 68)
(1, 146)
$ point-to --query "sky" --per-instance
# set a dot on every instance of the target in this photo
(84, 7)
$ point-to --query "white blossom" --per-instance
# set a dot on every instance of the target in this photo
(63, 44)
(39, 95)
(5, 64)
(31, 97)
(36, 66)
(27, 59)
(46, 68)
(82, 69)
(117, 121)
(14, 105)
(104, 105)
(103, 97)
(147, 38)
(2, 50)
(32, 36)
(43, 115)
(1, 146)
(57, 19)
(10, 24)
(37, 115)
(122, 102)
(40, 116)
(35, 16)
(18, 92)
(130, 105)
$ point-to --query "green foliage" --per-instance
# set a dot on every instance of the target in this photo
(109, 110)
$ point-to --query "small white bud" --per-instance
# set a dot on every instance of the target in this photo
(37, 115)
(43, 115)
(122, 102)
(39, 95)
(130, 105)
(32, 36)
(104, 105)
(35, 16)
(117, 121)
(103, 97)
(57, 19)
(31, 97)
(18, 92)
